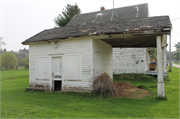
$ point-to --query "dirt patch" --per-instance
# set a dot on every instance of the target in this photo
(103, 85)
(11, 78)
(128, 90)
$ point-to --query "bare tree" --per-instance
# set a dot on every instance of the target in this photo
(1, 43)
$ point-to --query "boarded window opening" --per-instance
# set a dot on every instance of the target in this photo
(57, 85)
(72, 68)
(42, 68)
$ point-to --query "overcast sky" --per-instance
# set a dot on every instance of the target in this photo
(21, 19)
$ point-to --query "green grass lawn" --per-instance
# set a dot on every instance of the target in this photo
(177, 63)
(16, 103)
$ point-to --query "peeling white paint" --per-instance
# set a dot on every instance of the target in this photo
(72, 68)
(42, 68)
(130, 60)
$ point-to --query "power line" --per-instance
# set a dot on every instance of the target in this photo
(175, 32)
(175, 19)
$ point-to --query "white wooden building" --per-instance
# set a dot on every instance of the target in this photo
(66, 58)
(125, 60)
(68, 63)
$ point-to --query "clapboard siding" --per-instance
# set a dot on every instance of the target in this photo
(77, 86)
(105, 52)
(79, 46)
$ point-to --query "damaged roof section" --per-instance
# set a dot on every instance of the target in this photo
(156, 25)
(104, 15)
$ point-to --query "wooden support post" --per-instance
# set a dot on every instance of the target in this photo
(160, 84)
(164, 45)
(164, 59)
(170, 52)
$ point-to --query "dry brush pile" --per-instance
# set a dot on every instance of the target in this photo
(103, 85)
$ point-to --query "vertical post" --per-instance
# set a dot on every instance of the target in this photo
(164, 59)
(160, 84)
(166, 55)
(50, 74)
(164, 45)
(113, 4)
(170, 52)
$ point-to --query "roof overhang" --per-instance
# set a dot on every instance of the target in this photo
(130, 40)
(140, 32)
(119, 40)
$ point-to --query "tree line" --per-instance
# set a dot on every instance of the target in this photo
(13, 59)
(175, 55)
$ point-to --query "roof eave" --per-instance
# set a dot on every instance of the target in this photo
(165, 31)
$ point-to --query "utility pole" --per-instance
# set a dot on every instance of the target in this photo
(170, 52)
(113, 4)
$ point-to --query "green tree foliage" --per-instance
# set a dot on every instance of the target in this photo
(153, 52)
(8, 60)
(22, 53)
(172, 55)
(68, 13)
(25, 61)
(24, 50)
(177, 52)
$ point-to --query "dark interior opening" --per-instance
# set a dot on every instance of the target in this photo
(57, 85)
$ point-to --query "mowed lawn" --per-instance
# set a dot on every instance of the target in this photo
(16, 103)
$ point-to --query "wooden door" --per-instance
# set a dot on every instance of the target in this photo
(57, 68)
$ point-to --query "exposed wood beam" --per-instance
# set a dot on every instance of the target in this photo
(166, 29)
(132, 43)
(135, 46)
(133, 38)
(125, 35)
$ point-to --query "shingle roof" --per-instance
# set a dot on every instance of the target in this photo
(122, 13)
(103, 27)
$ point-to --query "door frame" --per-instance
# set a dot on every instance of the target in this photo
(50, 71)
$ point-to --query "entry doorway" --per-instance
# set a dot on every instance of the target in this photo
(57, 72)
(57, 85)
